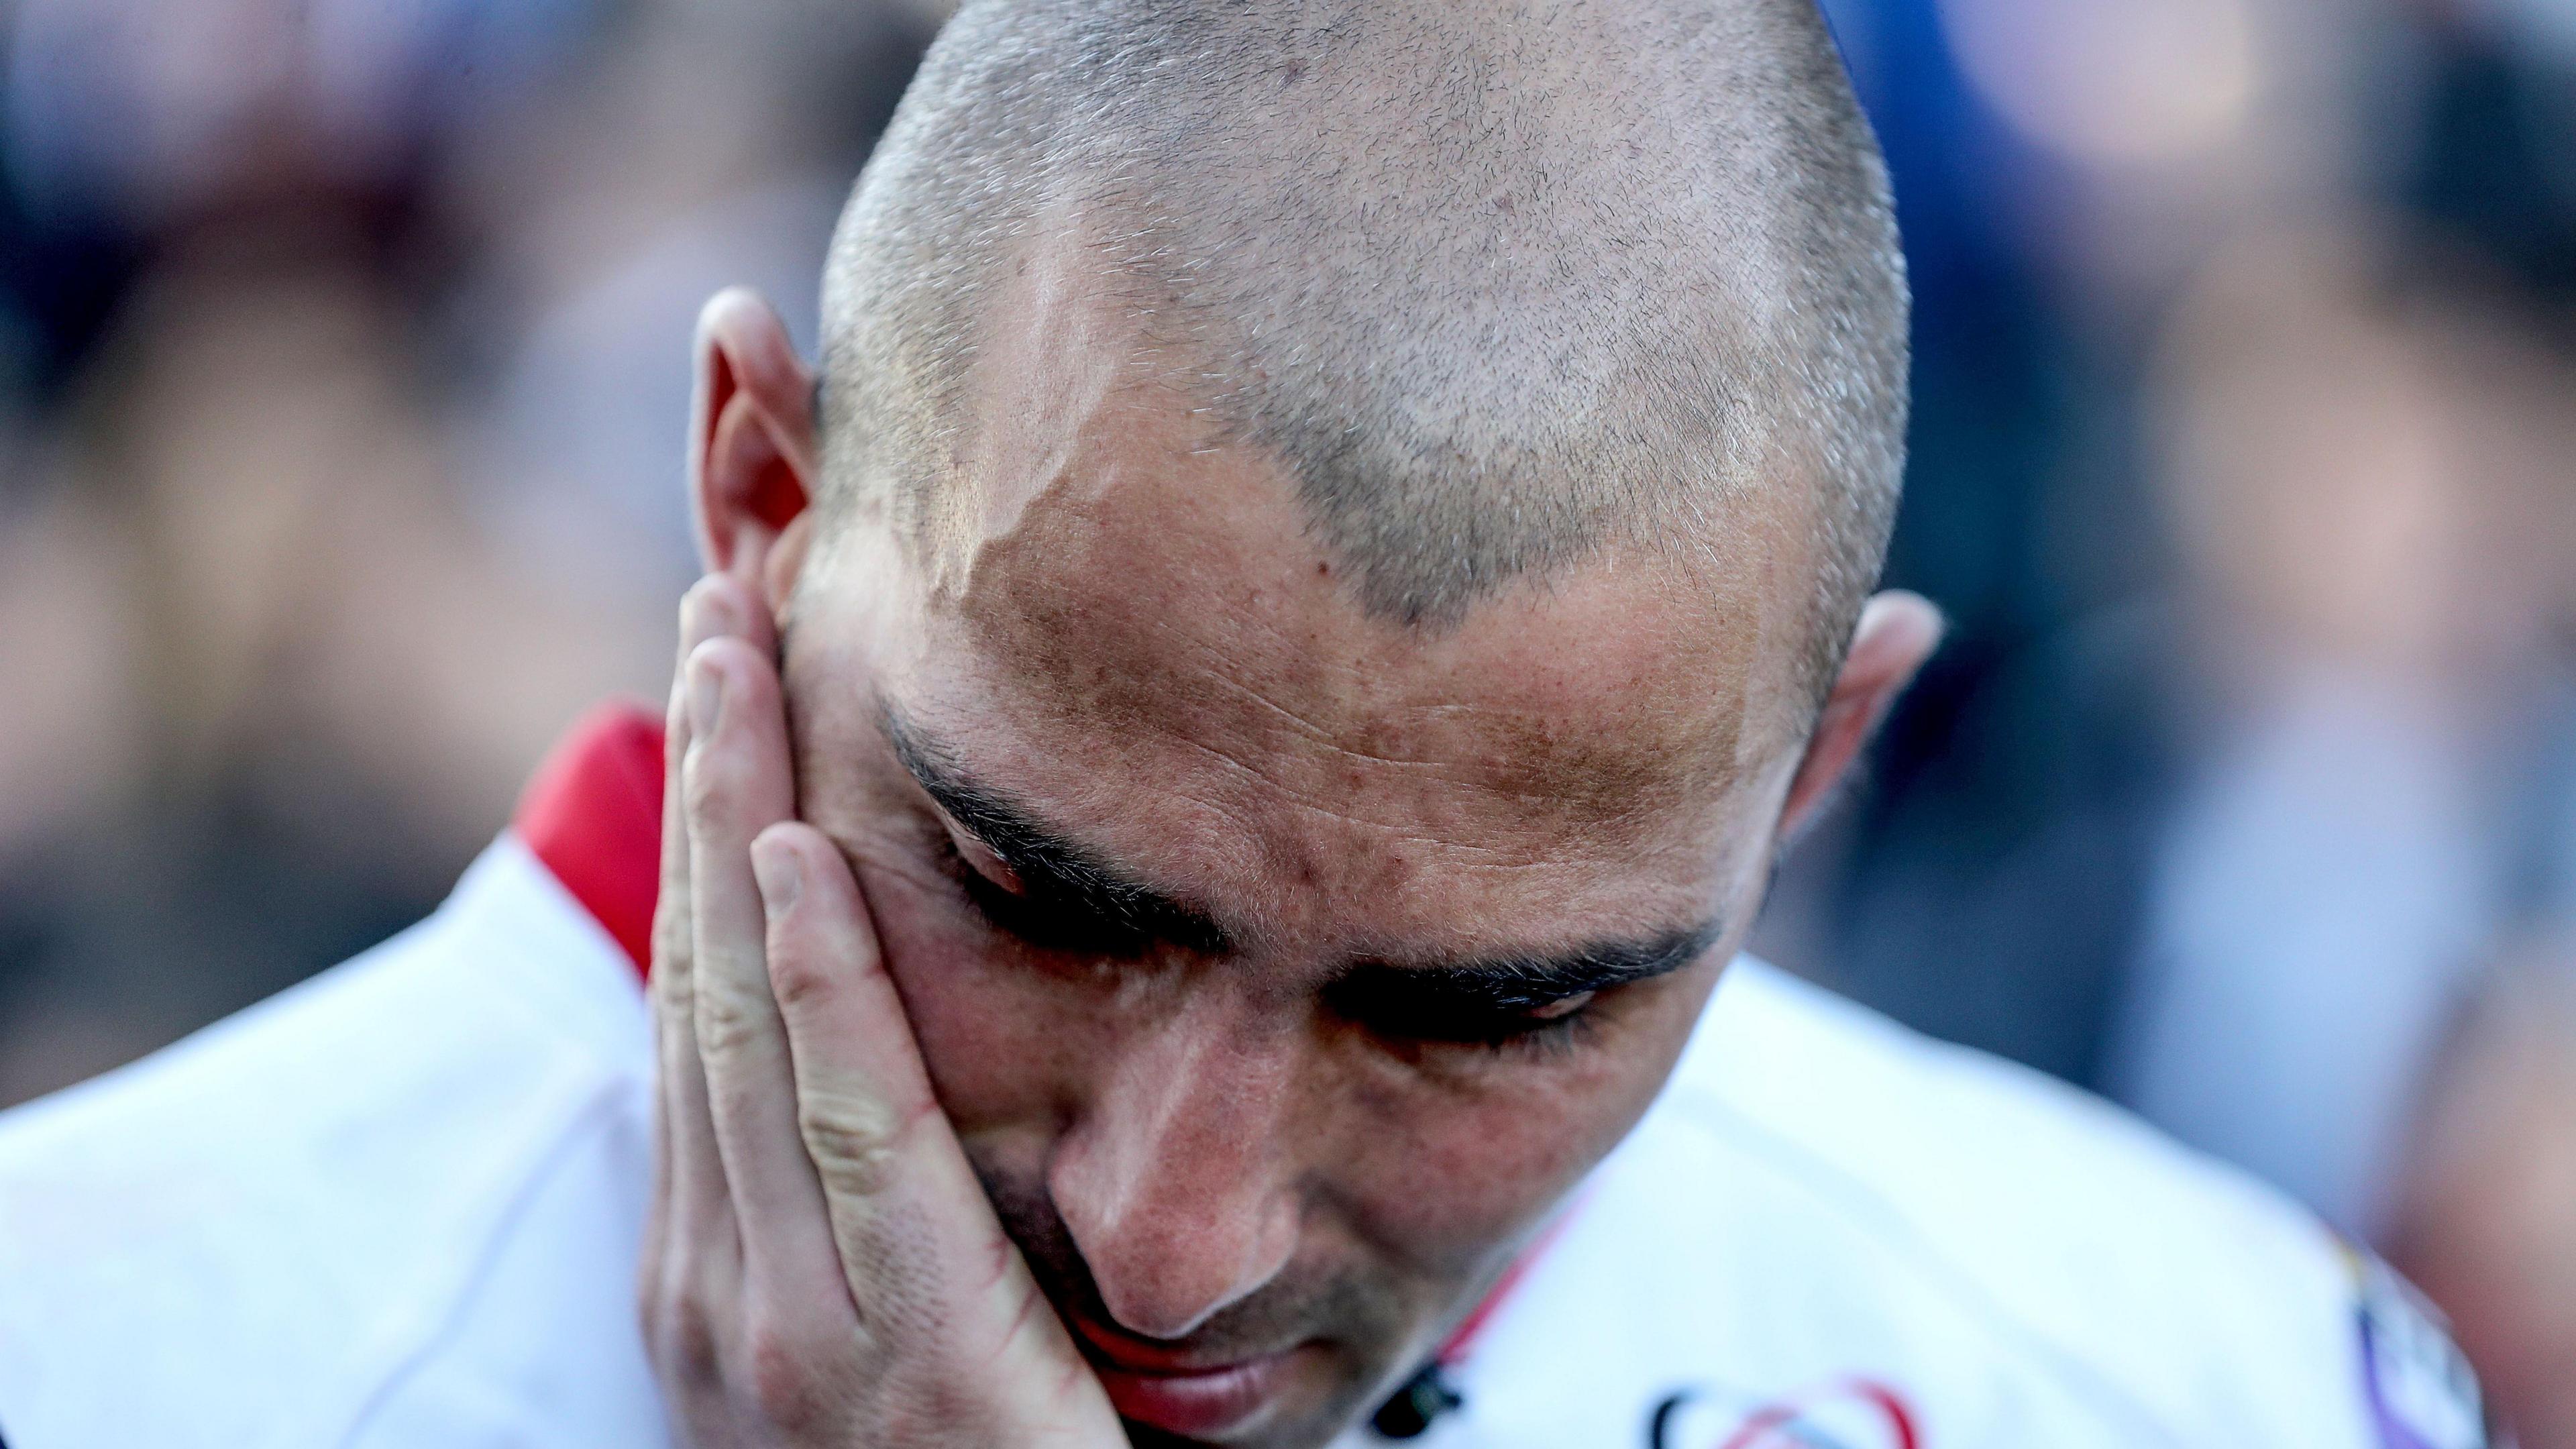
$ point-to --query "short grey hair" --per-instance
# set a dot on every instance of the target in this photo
(1498, 282)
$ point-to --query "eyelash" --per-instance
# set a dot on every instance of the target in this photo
(1491, 1031)
(1548, 1036)
(1018, 917)
(1502, 1034)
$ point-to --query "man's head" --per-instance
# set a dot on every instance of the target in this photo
(1335, 535)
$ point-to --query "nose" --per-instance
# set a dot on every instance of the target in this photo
(1175, 1180)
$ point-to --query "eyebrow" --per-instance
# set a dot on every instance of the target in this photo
(1059, 873)
(1055, 871)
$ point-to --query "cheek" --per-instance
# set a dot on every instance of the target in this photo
(1443, 1169)
(1000, 1042)
(1442, 1182)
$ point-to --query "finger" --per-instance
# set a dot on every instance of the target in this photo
(739, 783)
(917, 1239)
(689, 1204)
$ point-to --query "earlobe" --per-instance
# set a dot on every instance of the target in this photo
(752, 455)
(1897, 632)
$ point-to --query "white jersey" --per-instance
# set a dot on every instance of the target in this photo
(399, 1207)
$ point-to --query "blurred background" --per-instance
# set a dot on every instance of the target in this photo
(343, 377)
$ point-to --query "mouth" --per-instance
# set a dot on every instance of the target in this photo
(1170, 1388)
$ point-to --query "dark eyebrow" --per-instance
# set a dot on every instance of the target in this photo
(1504, 984)
(1054, 871)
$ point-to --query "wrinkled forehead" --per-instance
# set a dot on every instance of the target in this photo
(1148, 644)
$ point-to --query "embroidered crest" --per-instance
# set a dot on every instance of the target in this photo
(2421, 1391)
(1850, 1414)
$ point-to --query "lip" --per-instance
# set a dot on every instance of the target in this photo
(1205, 1404)
(1170, 1389)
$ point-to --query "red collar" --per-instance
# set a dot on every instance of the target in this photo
(593, 815)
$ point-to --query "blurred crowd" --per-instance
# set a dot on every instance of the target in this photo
(2245, 463)
(343, 377)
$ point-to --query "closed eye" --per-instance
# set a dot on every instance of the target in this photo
(1030, 916)
(1430, 1011)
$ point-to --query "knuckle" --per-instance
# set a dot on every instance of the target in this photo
(707, 786)
(681, 1334)
(730, 1017)
(675, 989)
(797, 975)
(852, 1139)
(671, 930)
(782, 1382)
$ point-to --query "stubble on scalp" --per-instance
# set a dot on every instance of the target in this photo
(1502, 286)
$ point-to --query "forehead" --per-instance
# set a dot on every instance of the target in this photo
(1139, 638)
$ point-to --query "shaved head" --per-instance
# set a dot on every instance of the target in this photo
(1500, 286)
(1338, 553)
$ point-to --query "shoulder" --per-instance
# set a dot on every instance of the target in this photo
(292, 1226)
(2092, 1250)
(1823, 1203)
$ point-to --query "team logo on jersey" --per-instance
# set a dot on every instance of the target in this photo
(1850, 1414)
(2422, 1392)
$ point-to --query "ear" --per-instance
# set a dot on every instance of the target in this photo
(1897, 632)
(752, 457)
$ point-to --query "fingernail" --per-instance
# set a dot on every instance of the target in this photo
(710, 609)
(706, 697)
(780, 873)
(693, 618)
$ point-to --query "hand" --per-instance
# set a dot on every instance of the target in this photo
(821, 1265)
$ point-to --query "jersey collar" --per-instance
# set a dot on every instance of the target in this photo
(592, 814)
